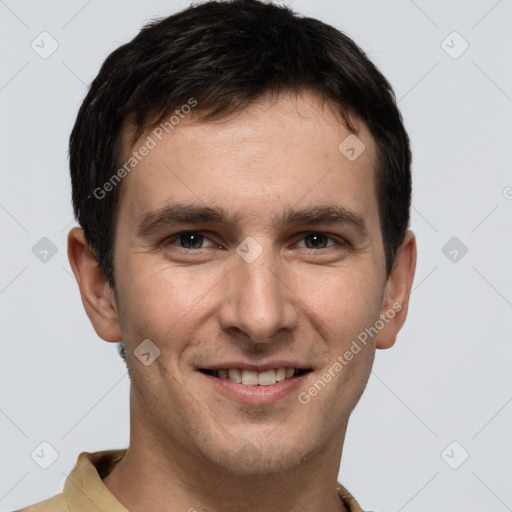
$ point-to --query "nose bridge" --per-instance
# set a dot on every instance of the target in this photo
(257, 300)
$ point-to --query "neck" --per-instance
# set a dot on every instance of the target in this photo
(165, 476)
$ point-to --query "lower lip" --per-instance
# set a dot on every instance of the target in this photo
(255, 395)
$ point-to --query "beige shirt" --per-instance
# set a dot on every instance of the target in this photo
(84, 490)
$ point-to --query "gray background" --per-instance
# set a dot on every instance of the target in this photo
(447, 379)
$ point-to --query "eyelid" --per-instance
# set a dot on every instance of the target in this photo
(176, 236)
(338, 240)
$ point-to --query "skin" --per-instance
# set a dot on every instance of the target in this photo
(189, 443)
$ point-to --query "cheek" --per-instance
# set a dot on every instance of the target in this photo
(341, 302)
(345, 309)
(160, 303)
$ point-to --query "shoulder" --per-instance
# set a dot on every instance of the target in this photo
(57, 503)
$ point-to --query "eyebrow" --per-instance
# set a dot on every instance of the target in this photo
(178, 213)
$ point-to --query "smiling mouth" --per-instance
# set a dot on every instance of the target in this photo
(254, 378)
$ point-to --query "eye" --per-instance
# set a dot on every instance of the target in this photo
(316, 241)
(188, 240)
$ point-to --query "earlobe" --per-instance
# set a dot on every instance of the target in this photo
(397, 292)
(97, 296)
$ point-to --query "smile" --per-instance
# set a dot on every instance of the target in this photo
(252, 387)
(254, 378)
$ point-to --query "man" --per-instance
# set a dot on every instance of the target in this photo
(241, 176)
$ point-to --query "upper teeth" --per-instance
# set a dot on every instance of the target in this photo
(253, 378)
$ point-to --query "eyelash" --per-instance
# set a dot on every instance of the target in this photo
(336, 239)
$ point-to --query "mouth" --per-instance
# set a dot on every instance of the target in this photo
(256, 388)
(247, 377)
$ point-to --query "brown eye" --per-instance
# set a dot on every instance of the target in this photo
(316, 241)
(191, 240)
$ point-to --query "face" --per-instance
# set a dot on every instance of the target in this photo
(252, 243)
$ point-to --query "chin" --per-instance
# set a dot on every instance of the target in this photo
(261, 457)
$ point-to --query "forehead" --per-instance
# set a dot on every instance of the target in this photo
(274, 155)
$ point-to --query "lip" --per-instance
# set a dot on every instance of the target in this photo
(256, 395)
(272, 365)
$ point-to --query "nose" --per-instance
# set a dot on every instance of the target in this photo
(258, 301)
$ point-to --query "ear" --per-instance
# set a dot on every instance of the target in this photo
(397, 291)
(97, 296)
